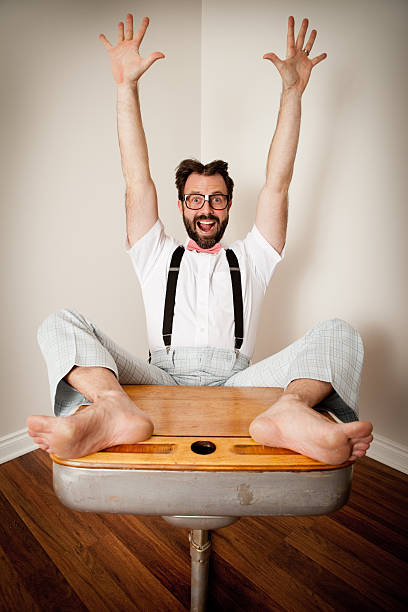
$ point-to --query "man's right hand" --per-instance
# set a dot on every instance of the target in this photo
(126, 62)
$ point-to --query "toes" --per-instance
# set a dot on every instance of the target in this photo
(256, 429)
(42, 442)
(366, 440)
(360, 449)
(34, 422)
(35, 434)
(357, 429)
(45, 447)
(360, 446)
(39, 423)
(357, 454)
(263, 430)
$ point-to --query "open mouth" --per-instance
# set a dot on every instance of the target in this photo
(206, 226)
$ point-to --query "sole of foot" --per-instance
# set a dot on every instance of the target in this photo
(112, 419)
(292, 424)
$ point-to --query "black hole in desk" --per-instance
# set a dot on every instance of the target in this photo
(203, 447)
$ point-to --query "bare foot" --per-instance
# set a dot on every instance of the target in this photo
(291, 423)
(112, 419)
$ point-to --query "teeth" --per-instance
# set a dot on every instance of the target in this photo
(206, 222)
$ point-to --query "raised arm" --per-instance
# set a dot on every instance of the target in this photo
(127, 68)
(272, 208)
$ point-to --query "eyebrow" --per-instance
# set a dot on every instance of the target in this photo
(213, 193)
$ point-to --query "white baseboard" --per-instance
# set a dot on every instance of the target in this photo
(382, 449)
(15, 444)
(389, 452)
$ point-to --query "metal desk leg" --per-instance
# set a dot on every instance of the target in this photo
(200, 551)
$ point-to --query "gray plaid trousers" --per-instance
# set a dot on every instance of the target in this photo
(331, 351)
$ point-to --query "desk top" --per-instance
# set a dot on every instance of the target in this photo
(217, 418)
(202, 411)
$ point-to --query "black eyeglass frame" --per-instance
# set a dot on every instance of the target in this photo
(207, 197)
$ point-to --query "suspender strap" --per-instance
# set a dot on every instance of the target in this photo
(237, 295)
(171, 295)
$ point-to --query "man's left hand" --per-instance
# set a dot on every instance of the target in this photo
(296, 68)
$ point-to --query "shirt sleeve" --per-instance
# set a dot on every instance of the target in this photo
(146, 253)
(262, 255)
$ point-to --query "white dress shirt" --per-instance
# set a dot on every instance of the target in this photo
(204, 308)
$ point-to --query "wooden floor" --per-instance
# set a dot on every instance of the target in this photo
(52, 558)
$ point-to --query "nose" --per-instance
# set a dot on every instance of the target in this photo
(206, 209)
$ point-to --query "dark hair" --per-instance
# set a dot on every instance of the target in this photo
(187, 166)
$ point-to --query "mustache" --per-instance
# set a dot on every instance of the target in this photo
(209, 218)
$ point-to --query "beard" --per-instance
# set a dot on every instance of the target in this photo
(205, 242)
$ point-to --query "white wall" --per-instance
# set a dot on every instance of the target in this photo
(63, 231)
(63, 192)
(346, 246)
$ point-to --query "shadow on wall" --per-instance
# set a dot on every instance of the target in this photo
(381, 380)
(278, 318)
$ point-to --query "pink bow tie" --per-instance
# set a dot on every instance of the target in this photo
(193, 246)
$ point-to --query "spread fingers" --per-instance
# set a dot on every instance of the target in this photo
(105, 41)
(141, 31)
(129, 27)
(302, 33)
(121, 34)
(290, 41)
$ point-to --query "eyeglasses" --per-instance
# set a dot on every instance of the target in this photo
(195, 201)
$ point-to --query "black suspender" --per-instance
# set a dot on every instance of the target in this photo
(170, 299)
(172, 279)
(237, 295)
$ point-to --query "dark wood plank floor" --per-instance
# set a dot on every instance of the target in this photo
(52, 558)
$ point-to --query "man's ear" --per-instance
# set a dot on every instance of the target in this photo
(180, 206)
(229, 205)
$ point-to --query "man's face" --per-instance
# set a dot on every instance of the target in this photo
(205, 235)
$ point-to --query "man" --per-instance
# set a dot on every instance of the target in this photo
(320, 371)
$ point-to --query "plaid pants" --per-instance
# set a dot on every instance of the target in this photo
(331, 351)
